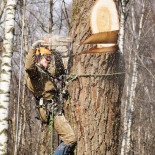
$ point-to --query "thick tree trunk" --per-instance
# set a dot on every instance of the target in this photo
(95, 100)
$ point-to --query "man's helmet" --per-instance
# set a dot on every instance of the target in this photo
(42, 51)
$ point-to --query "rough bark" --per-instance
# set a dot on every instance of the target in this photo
(95, 101)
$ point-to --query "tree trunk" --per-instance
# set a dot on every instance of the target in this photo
(3, 3)
(96, 93)
(51, 17)
(122, 27)
(6, 74)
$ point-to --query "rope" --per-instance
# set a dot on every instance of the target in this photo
(71, 119)
(70, 111)
(51, 129)
(19, 87)
(74, 76)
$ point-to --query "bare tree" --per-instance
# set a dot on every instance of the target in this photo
(6, 73)
(2, 6)
(138, 86)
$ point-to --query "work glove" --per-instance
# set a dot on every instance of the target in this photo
(36, 44)
(65, 94)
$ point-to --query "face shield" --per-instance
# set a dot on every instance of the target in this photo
(47, 57)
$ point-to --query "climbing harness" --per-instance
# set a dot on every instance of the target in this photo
(57, 105)
(49, 110)
(46, 108)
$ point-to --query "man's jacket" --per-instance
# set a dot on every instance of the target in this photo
(40, 83)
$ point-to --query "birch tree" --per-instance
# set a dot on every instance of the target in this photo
(137, 28)
(6, 73)
(2, 5)
(130, 90)
(122, 25)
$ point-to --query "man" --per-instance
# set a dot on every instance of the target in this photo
(40, 77)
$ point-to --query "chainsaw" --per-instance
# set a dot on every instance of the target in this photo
(59, 43)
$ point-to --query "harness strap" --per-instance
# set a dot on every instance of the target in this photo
(47, 109)
(48, 101)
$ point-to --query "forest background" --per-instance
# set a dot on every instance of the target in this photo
(111, 114)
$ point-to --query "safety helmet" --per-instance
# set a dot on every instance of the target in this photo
(43, 51)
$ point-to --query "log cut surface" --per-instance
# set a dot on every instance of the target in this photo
(102, 37)
(104, 23)
(104, 17)
(111, 48)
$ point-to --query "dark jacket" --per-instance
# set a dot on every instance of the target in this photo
(38, 80)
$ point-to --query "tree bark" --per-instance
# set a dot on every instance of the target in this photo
(51, 17)
(6, 74)
(95, 100)
(3, 3)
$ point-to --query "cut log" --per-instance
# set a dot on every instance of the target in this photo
(102, 37)
(101, 50)
(104, 23)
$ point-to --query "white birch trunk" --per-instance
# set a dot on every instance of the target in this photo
(131, 94)
(126, 142)
(121, 49)
(122, 23)
(2, 6)
(6, 74)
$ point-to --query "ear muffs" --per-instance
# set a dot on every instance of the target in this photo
(38, 51)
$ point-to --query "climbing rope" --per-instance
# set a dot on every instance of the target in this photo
(74, 76)
(51, 122)
(70, 111)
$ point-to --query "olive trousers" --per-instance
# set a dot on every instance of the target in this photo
(64, 130)
(66, 134)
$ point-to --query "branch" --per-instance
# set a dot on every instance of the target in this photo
(51, 16)
(66, 14)
(38, 20)
(141, 24)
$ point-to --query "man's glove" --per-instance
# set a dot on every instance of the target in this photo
(65, 94)
(36, 44)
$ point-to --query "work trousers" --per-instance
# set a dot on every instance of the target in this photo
(66, 134)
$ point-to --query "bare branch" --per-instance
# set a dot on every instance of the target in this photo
(44, 28)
